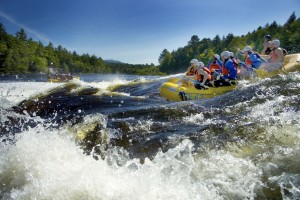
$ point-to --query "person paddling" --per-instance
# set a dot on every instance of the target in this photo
(215, 64)
(203, 76)
(228, 70)
(252, 59)
(190, 74)
(276, 57)
(277, 54)
(267, 45)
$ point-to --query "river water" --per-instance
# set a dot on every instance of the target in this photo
(113, 137)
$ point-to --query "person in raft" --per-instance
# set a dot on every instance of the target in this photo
(215, 63)
(203, 76)
(277, 54)
(229, 74)
(252, 59)
(235, 61)
(215, 67)
(267, 45)
(190, 75)
(276, 57)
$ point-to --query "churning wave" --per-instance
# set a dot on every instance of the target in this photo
(118, 139)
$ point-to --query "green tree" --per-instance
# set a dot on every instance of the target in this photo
(291, 19)
(21, 35)
(162, 56)
(167, 62)
(194, 41)
(289, 35)
(39, 64)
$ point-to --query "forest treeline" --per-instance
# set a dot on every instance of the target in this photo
(204, 49)
(20, 54)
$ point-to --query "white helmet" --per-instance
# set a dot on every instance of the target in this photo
(225, 54)
(276, 43)
(247, 49)
(200, 64)
(231, 54)
(194, 61)
(217, 56)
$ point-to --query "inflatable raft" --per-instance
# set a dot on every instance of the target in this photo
(291, 64)
(62, 79)
(174, 91)
(58, 75)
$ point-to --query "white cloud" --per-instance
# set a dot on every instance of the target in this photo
(38, 35)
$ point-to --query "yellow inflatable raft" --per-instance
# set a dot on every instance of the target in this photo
(174, 91)
(62, 79)
(291, 64)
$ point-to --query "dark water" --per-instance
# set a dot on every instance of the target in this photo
(114, 137)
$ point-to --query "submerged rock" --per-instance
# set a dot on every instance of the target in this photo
(58, 100)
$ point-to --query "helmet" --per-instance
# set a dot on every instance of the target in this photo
(268, 37)
(231, 54)
(201, 64)
(276, 43)
(225, 54)
(194, 61)
(217, 56)
(247, 49)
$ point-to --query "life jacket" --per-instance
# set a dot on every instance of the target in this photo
(214, 66)
(248, 61)
(230, 70)
(191, 71)
(199, 77)
(225, 71)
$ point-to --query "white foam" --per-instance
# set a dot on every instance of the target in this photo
(14, 92)
(48, 165)
(199, 119)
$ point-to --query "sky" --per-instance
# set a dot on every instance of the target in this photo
(137, 31)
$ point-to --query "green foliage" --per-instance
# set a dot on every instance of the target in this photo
(18, 54)
(177, 61)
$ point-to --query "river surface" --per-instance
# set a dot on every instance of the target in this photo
(113, 137)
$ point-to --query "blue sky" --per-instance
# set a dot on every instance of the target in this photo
(137, 31)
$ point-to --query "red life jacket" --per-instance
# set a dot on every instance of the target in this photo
(214, 66)
(225, 71)
(247, 60)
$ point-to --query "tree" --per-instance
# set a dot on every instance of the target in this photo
(203, 49)
(291, 19)
(227, 40)
(166, 63)
(162, 56)
(21, 35)
(216, 43)
(194, 41)
(50, 55)
(3, 33)
(39, 65)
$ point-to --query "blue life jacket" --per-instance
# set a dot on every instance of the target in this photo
(255, 59)
(229, 65)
